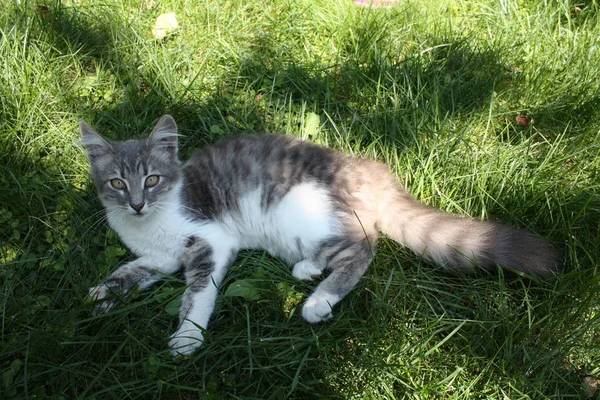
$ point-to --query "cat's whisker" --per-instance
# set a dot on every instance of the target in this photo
(93, 216)
(99, 221)
(120, 214)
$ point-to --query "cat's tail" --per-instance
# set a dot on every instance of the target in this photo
(462, 242)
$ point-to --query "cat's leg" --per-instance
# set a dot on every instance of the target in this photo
(348, 260)
(205, 261)
(142, 273)
(306, 269)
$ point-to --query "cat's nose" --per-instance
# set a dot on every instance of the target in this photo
(137, 207)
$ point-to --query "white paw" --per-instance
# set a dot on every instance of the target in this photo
(318, 307)
(186, 340)
(98, 293)
(305, 270)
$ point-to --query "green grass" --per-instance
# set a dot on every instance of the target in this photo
(431, 87)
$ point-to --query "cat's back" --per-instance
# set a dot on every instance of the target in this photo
(248, 161)
(260, 150)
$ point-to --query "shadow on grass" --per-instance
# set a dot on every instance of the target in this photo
(396, 99)
(568, 113)
(446, 79)
(374, 90)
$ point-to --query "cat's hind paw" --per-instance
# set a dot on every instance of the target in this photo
(185, 341)
(319, 306)
(305, 270)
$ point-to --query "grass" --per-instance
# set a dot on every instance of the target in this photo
(430, 87)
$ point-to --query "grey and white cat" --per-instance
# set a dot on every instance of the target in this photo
(316, 208)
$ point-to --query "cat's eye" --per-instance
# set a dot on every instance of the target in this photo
(117, 184)
(152, 180)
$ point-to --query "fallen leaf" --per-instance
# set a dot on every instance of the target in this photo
(148, 5)
(44, 12)
(524, 120)
(590, 385)
(164, 25)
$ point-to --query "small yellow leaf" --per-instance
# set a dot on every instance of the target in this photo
(164, 25)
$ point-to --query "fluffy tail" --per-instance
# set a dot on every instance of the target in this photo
(461, 242)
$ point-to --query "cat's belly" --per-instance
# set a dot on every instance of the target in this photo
(293, 229)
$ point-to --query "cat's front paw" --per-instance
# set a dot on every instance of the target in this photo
(318, 307)
(100, 294)
(305, 270)
(186, 340)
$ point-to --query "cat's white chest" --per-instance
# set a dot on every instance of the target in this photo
(161, 235)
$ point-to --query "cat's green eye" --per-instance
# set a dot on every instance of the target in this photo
(117, 184)
(152, 180)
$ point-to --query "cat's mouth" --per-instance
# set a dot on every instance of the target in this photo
(139, 214)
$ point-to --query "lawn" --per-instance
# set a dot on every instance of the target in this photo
(488, 109)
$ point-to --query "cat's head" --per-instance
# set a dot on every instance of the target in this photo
(135, 177)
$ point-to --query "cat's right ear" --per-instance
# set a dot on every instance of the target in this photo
(95, 145)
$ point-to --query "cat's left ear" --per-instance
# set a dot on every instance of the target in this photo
(164, 134)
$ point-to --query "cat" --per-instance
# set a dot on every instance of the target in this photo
(315, 208)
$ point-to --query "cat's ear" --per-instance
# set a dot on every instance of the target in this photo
(164, 134)
(95, 145)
